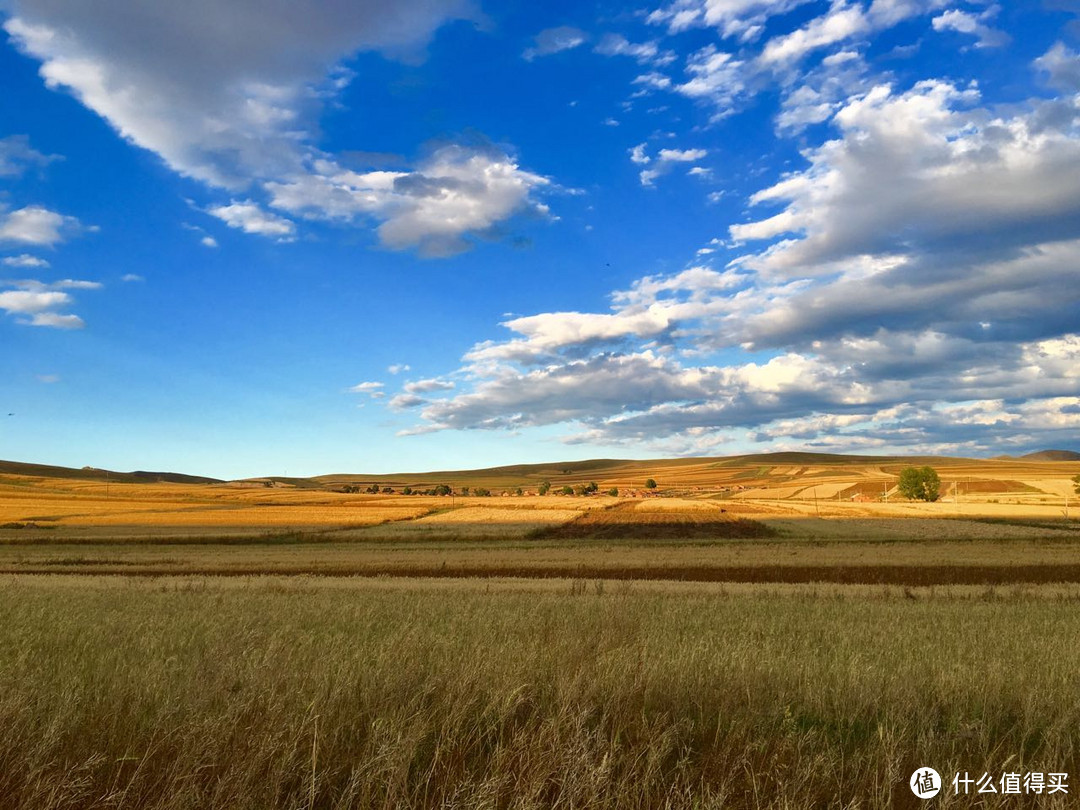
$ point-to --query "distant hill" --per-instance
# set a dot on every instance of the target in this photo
(95, 474)
(1053, 455)
(672, 472)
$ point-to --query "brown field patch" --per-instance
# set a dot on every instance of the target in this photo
(654, 521)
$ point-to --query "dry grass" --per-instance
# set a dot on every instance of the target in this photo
(272, 694)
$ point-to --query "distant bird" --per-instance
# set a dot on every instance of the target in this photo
(11, 414)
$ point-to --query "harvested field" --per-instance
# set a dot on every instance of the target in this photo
(667, 521)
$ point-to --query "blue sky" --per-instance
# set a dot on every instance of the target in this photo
(244, 238)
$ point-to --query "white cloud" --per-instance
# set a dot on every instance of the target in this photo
(967, 23)
(643, 52)
(1062, 66)
(250, 218)
(37, 225)
(926, 172)
(372, 389)
(917, 291)
(36, 303)
(664, 161)
(236, 107)
(398, 368)
(219, 91)
(427, 386)
(130, 277)
(57, 321)
(554, 40)
(25, 260)
(458, 191)
(208, 241)
(17, 156)
(744, 19)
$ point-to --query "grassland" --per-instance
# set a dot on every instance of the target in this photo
(329, 693)
(740, 642)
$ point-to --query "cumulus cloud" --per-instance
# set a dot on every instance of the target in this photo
(456, 192)
(218, 91)
(1062, 67)
(37, 225)
(235, 105)
(916, 290)
(923, 172)
(37, 303)
(554, 40)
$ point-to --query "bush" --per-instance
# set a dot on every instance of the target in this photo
(919, 484)
(613, 492)
(544, 487)
(650, 484)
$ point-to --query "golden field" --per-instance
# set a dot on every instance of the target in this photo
(754, 487)
(760, 634)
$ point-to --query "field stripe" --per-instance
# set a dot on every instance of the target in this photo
(913, 575)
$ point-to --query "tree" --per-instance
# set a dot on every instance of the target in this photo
(613, 492)
(592, 487)
(919, 484)
(407, 491)
(650, 484)
(464, 490)
(1076, 484)
(544, 487)
(567, 490)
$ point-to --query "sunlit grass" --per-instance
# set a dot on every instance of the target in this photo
(282, 693)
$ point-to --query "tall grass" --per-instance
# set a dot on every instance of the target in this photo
(293, 695)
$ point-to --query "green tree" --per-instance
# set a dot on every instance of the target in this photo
(407, 491)
(650, 484)
(592, 487)
(613, 492)
(1076, 484)
(544, 487)
(567, 490)
(464, 490)
(919, 484)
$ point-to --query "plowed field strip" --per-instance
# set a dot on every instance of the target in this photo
(913, 575)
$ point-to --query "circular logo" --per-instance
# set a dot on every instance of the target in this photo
(925, 783)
